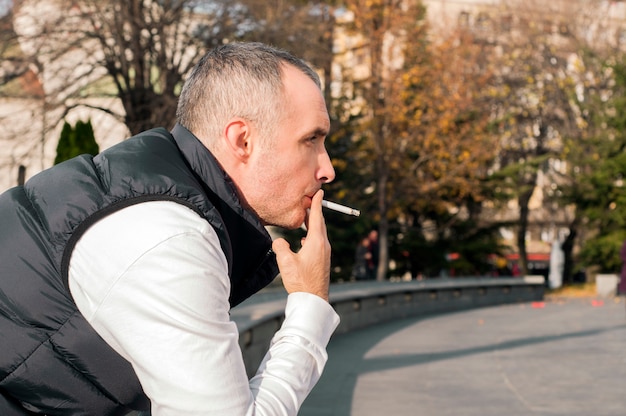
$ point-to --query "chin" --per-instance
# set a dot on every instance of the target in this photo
(294, 226)
(292, 223)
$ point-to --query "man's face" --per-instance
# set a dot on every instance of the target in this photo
(294, 164)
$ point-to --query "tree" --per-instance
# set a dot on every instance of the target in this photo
(147, 46)
(598, 168)
(424, 148)
(26, 106)
(76, 141)
(380, 33)
(128, 59)
(451, 147)
(303, 27)
(534, 107)
(13, 63)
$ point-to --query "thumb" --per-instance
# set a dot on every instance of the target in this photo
(281, 247)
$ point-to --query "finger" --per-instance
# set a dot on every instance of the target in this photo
(315, 218)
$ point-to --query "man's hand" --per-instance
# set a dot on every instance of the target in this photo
(308, 270)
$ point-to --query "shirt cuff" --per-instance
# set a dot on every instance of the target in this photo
(311, 317)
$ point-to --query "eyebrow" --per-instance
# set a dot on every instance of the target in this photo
(318, 132)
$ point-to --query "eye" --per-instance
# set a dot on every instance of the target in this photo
(311, 140)
(317, 136)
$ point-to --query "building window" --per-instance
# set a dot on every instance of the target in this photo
(483, 22)
(464, 19)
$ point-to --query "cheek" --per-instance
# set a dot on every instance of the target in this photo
(280, 171)
(271, 181)
(284, 175)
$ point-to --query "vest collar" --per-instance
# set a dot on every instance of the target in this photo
(252, 264)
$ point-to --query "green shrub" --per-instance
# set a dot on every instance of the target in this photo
(76, 141)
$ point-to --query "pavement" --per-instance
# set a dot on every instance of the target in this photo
(559, 357)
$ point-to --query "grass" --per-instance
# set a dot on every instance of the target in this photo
(580, 290)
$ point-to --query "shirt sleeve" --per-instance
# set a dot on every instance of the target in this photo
(152, 280)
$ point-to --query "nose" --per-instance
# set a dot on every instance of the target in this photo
(326, 172)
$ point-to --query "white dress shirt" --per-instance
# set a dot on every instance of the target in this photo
(152, 280)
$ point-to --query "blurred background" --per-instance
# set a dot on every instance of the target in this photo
(478, 138)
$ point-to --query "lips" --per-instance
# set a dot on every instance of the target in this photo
(309, 199)
(307, 202)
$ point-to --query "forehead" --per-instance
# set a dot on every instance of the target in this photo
(304, 100)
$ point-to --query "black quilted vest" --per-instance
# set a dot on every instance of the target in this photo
(51, 360)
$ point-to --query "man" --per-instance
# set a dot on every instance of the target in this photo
(118, 271)
(373, 254)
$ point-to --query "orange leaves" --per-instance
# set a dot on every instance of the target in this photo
(427, 130)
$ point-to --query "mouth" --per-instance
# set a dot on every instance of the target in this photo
(308, 199)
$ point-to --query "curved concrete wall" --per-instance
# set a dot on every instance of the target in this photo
(369, 303)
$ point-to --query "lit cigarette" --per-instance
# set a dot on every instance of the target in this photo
(340, 208)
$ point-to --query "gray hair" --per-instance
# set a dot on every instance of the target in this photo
(237, 80)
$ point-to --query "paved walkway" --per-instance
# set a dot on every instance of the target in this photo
(564, 358)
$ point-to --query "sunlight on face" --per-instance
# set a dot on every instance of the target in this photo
(294, 164)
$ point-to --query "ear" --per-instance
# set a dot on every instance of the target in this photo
(238, 137)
